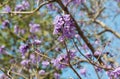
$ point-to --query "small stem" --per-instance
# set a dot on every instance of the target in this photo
(74, 71)
(70, 63)
(96, 73)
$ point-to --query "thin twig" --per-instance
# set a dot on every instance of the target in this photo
(28, 12)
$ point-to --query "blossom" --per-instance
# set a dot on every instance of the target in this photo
(58, 49)
(72, 53)
(7, 8)
(5, 24)
(89, 55)
(22, 31)
(24, 62)
(77, 36)
(63, 58)
(34, 27)
(64, 26)
(117, 0)
(37, 42)
(45, 63)
(41, 72)
(34, 59)
(24, 6)
(19, 7)
(23, 48)
(56, 62)
(16, 29)
(3, 76)
(83, 71)
(50, 6)
(115, 73)
(98, 69)
(56, 76)
(2, 51)
(97, 53)
(79, 1)
(84, 46)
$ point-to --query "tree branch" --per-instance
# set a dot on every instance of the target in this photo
(106, 28)
(28, 12)
(80, 32)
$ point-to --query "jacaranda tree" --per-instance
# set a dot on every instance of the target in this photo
(59, 39)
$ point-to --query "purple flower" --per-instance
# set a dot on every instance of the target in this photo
(2, 48)
(16, 29)
(114, 74)
(64, 26)
(22, 31)
(97, 41)
(83, 71)
(5, 24)
(19, 7)
(34, 27)
(24, 6)
(61, 38)
(98, 69)
(117, 0)
(77, 36)
(7, 8)
(58, 49)
(23, 49)
(56, 76)
(85, 47)
(3, 76)
(41, 72)
(60, 58)
(89, 55)
(37, 42)
(97, 53)
(33, 58)
(45, 63)
(24, 62)
(50, 6)
(72, 53)
(79, 1)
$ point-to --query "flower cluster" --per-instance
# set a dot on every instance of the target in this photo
(97, 53)
(83, 71)
(63, 58)
(24, 6)
(23, 48)
(117, 0)
(74, 1)
(115, 73)
(34, 27)
(2, 49)
(18, 31)
(5, 24)
(56, 76)
(79, 1)
(32, 60)
(64, 26)
(7, 8)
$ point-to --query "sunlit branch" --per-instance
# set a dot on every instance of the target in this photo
(28, 12)
(107, 28)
